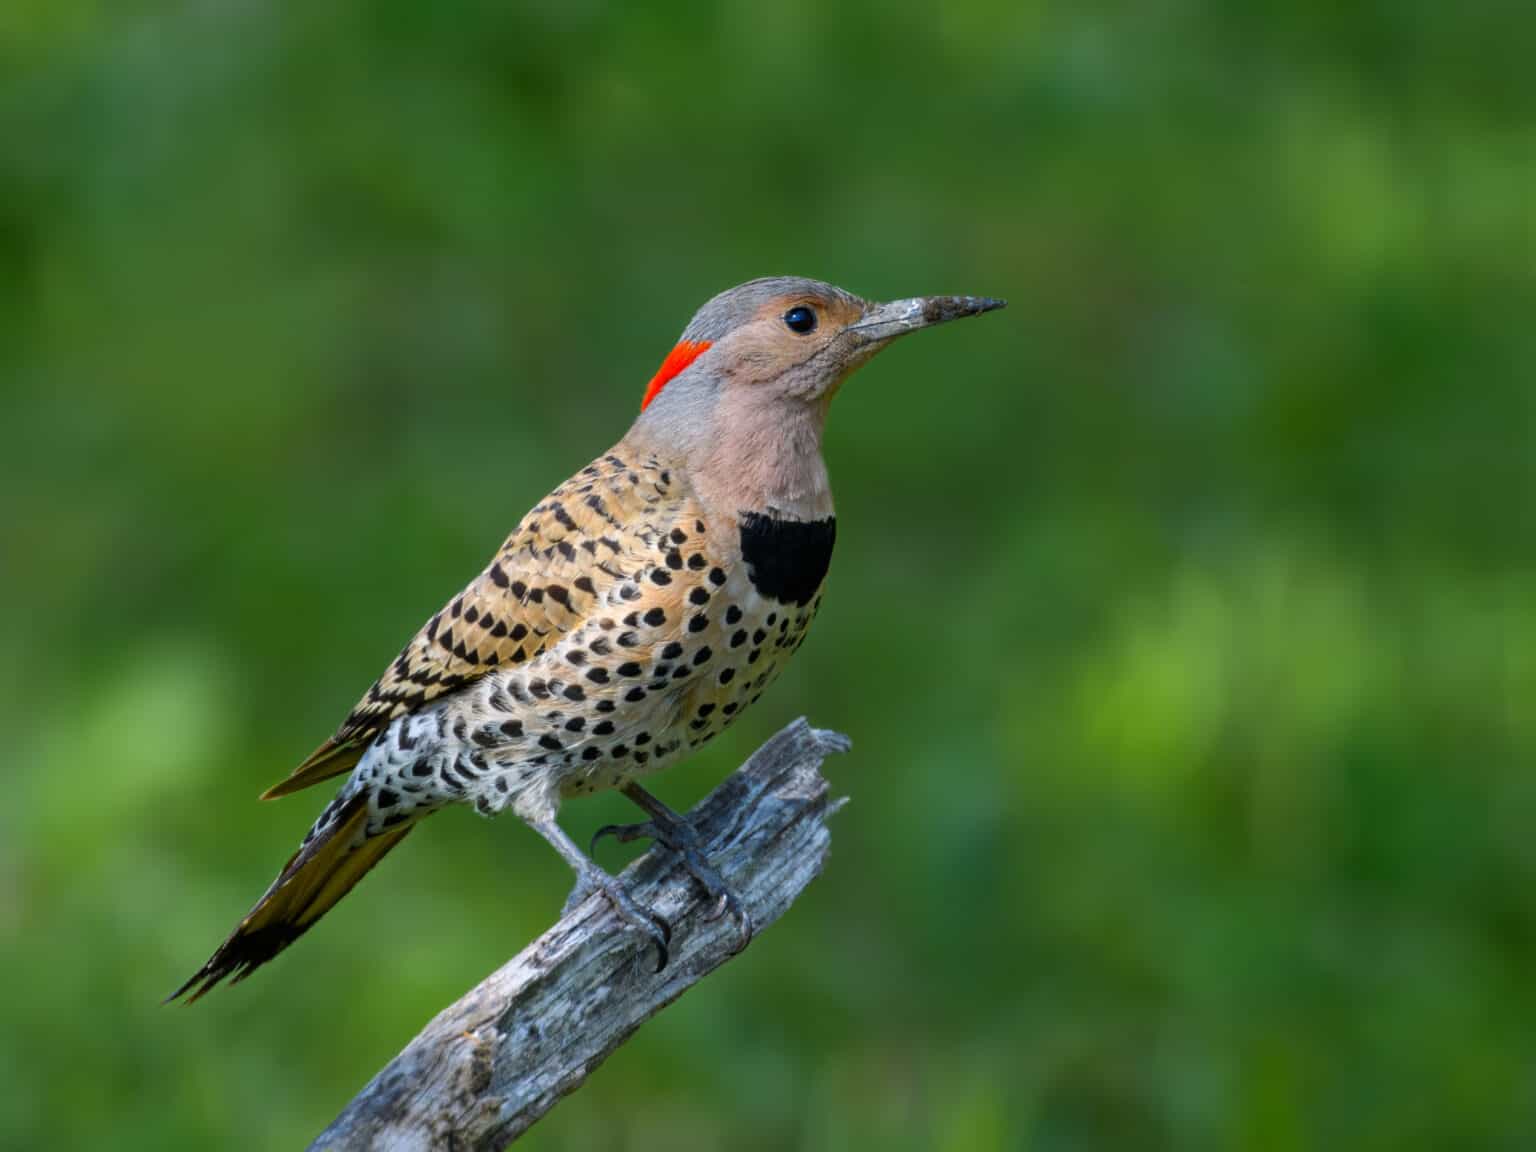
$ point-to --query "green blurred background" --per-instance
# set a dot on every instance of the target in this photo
(1183, 617)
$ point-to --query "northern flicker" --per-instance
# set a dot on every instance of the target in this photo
(631, 616)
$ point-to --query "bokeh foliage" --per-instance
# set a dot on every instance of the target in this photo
(1184, 615)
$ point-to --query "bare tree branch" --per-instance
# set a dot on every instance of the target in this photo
(490, 1065)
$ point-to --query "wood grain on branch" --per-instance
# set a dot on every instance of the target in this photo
(494, 1062)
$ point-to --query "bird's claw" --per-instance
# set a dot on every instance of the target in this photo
(680, 837)
(652, 924)
(727, 901)
(624, 833)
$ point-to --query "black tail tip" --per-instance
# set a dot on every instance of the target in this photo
(202, 982)
(237, 958)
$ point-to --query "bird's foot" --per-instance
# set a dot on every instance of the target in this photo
(677, 834)
(641, 919)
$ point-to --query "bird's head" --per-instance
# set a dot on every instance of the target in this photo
(745, 391)
(791, 339)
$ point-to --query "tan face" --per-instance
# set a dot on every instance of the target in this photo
(797, 343)
(775, 346)
(742, 398)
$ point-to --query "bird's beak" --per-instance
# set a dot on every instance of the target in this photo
(882, 322)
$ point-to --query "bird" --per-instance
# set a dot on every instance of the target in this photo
(631, 616)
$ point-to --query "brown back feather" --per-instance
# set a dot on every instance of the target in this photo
(330, 759)
(545, 580)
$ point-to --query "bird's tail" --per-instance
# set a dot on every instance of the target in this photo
(337, 853)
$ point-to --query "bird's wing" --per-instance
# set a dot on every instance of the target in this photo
(548, 576)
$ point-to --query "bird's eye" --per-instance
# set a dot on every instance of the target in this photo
(800, 319)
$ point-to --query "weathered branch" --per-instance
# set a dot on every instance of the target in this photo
(490, 1065)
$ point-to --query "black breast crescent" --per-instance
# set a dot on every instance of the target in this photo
(787, 559)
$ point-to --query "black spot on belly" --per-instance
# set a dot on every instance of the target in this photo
(787, 559)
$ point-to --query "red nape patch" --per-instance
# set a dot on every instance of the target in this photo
(686, 352)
